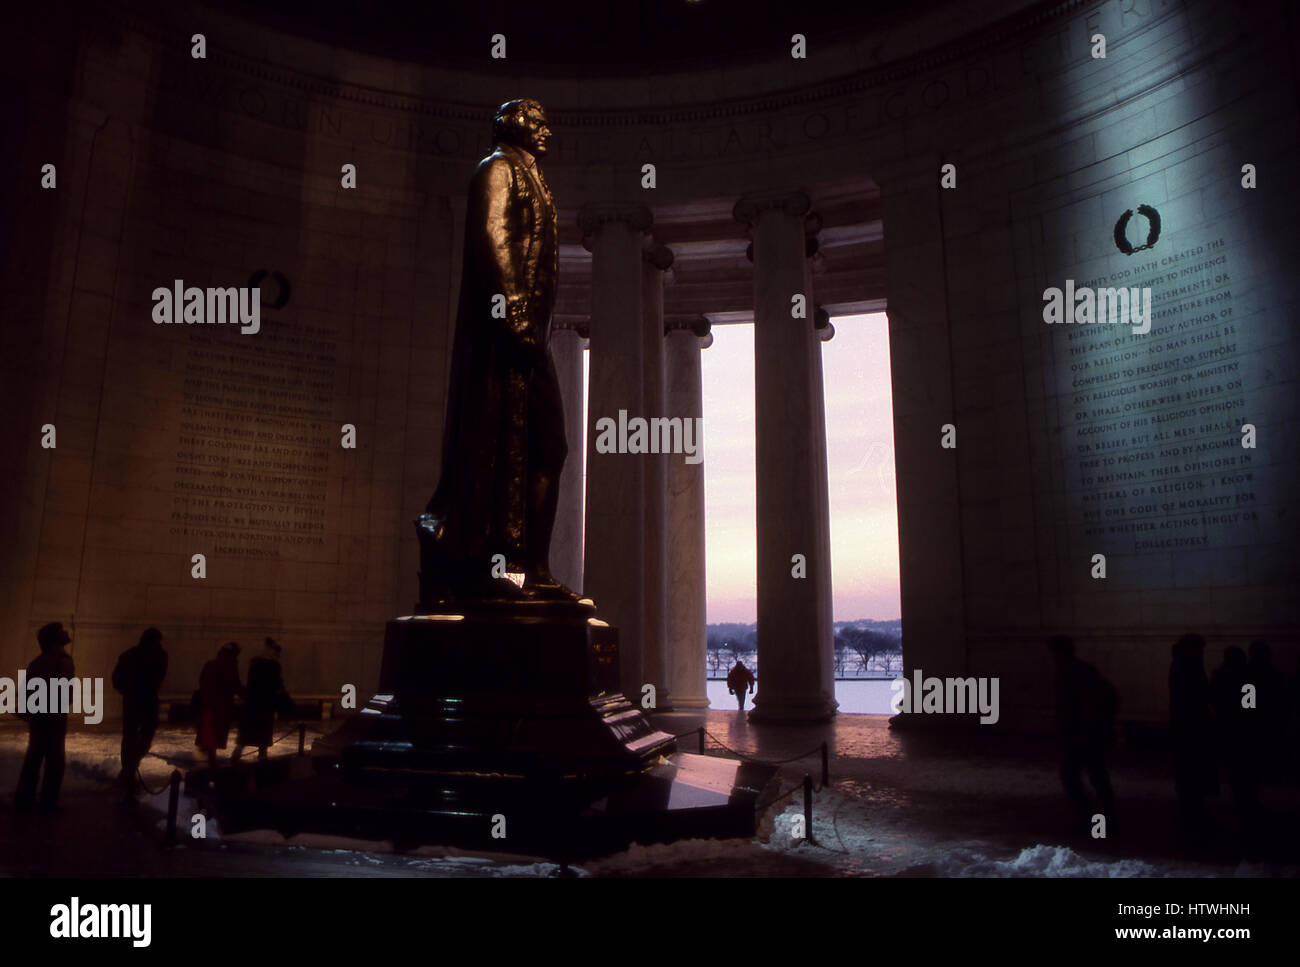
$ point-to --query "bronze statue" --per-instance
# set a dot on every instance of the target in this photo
(504, 445)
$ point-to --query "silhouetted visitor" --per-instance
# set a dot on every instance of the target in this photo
(218, 686)
(1192, 726)
(266, 694)
(1086, 705)
(740, 680)
(1240, 732)
(48, 730)
(139, 675)
(1271, 703)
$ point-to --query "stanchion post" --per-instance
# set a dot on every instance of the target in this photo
(807, 807)
(701, 740)
(173, 803)
(302, 739)
(826, 766)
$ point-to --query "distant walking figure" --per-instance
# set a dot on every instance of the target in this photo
(48, 730)
(1086, 705)
(1192, 725)
(266, 695)
(218, 686)
(139, 675)
(739, 680)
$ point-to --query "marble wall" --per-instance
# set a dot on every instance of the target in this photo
(181, 440)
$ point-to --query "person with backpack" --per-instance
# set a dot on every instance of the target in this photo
(138, 676)
(740, 680)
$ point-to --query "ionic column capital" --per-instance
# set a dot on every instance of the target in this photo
(660, 256)
(750, 206)
(697, 325)
(578, 326)
(793, 204)
(595, 215)
(822, 325)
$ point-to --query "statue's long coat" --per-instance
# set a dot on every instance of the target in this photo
(504, 446)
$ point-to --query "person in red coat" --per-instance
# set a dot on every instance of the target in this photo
(218, 685)
(739, 681)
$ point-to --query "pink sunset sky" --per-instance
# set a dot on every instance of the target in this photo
(860, 467)
(860, 470)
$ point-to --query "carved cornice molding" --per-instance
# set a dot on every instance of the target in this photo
(173, 41)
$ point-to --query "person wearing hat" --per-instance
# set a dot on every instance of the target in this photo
(266, 694)
(48, 730)
(218, 685)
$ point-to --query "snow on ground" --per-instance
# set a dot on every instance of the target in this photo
(889, 810)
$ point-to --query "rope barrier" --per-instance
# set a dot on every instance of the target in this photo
(182, 764)
(748, 758)
(785, 795)
(809, 838)
(152, 792)
(293, 731)
(820, 749)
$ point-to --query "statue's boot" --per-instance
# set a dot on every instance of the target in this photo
(494, 589)
(543, 586)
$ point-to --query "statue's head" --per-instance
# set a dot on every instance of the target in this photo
(523, 124)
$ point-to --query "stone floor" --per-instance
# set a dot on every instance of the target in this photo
(912, 804)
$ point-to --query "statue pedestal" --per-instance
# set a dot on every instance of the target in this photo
(497, 728)
(495, 696)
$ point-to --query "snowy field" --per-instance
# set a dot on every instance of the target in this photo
(863, 697)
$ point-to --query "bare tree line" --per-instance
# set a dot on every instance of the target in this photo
(859, 652)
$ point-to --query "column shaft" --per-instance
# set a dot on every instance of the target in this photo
(656, 657)
(686, 576)
(795, 650)
(566, 542)
(614, 558)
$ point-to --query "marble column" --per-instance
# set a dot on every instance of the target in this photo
(614, 542)
(795, 650)
(686, 577)
(657, 658)
(567, 347)
(823, 331)
(934, 591)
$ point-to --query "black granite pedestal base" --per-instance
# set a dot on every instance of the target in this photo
(496, 697)
(502, 729)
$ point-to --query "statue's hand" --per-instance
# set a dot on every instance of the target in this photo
(517, 317)
(532, 349)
